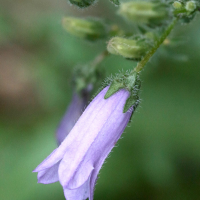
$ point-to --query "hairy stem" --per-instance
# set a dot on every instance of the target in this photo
(146, 58)
(100, 58)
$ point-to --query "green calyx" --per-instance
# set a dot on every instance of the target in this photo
(130, 82)
(89, 29)
(82, 3)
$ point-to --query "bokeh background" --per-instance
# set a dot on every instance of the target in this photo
(159, 155)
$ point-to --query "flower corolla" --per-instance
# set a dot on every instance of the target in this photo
(78, 159)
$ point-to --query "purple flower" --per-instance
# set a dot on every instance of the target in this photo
(72, 115)
(77, 161)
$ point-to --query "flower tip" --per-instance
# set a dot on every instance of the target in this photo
(35, 170)
(42, 182)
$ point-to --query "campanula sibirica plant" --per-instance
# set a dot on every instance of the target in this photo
(86, 135)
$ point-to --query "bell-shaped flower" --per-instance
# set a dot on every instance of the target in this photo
(77, 161)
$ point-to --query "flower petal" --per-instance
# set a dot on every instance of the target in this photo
(71, 176)
(80, 193)
(58, 153)
(51, 160)
(49, 175)
(107, 138)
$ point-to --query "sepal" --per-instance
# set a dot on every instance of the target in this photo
(114, 87)
(131, 101)
(129, 81)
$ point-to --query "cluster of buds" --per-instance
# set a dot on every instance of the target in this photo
(185, 6)
(186, 10)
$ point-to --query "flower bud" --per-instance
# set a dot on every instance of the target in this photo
(190, 6)
(143, 12)
(177, 5)
(82, 3)
(89, 29)
(128, 48)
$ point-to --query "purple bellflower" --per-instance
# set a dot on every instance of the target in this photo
(74, 111)
(77, 161)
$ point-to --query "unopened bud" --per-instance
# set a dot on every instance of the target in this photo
(177, 5)
(190, 6)
(143, 11)
(82, 3)
(128, 48)
(89, 29)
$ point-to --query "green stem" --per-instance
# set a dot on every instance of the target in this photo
(100, 58)
(146, 58)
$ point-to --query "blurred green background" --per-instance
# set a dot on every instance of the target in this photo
(159, 155)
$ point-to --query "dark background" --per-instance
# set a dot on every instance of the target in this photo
(159, 155)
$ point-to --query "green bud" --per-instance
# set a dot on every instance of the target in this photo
(82, 3)
(177, 5)
(133, 49)
(187, 12)
(190, 6)
(143, 11)
(89, 29)
(128, 81)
